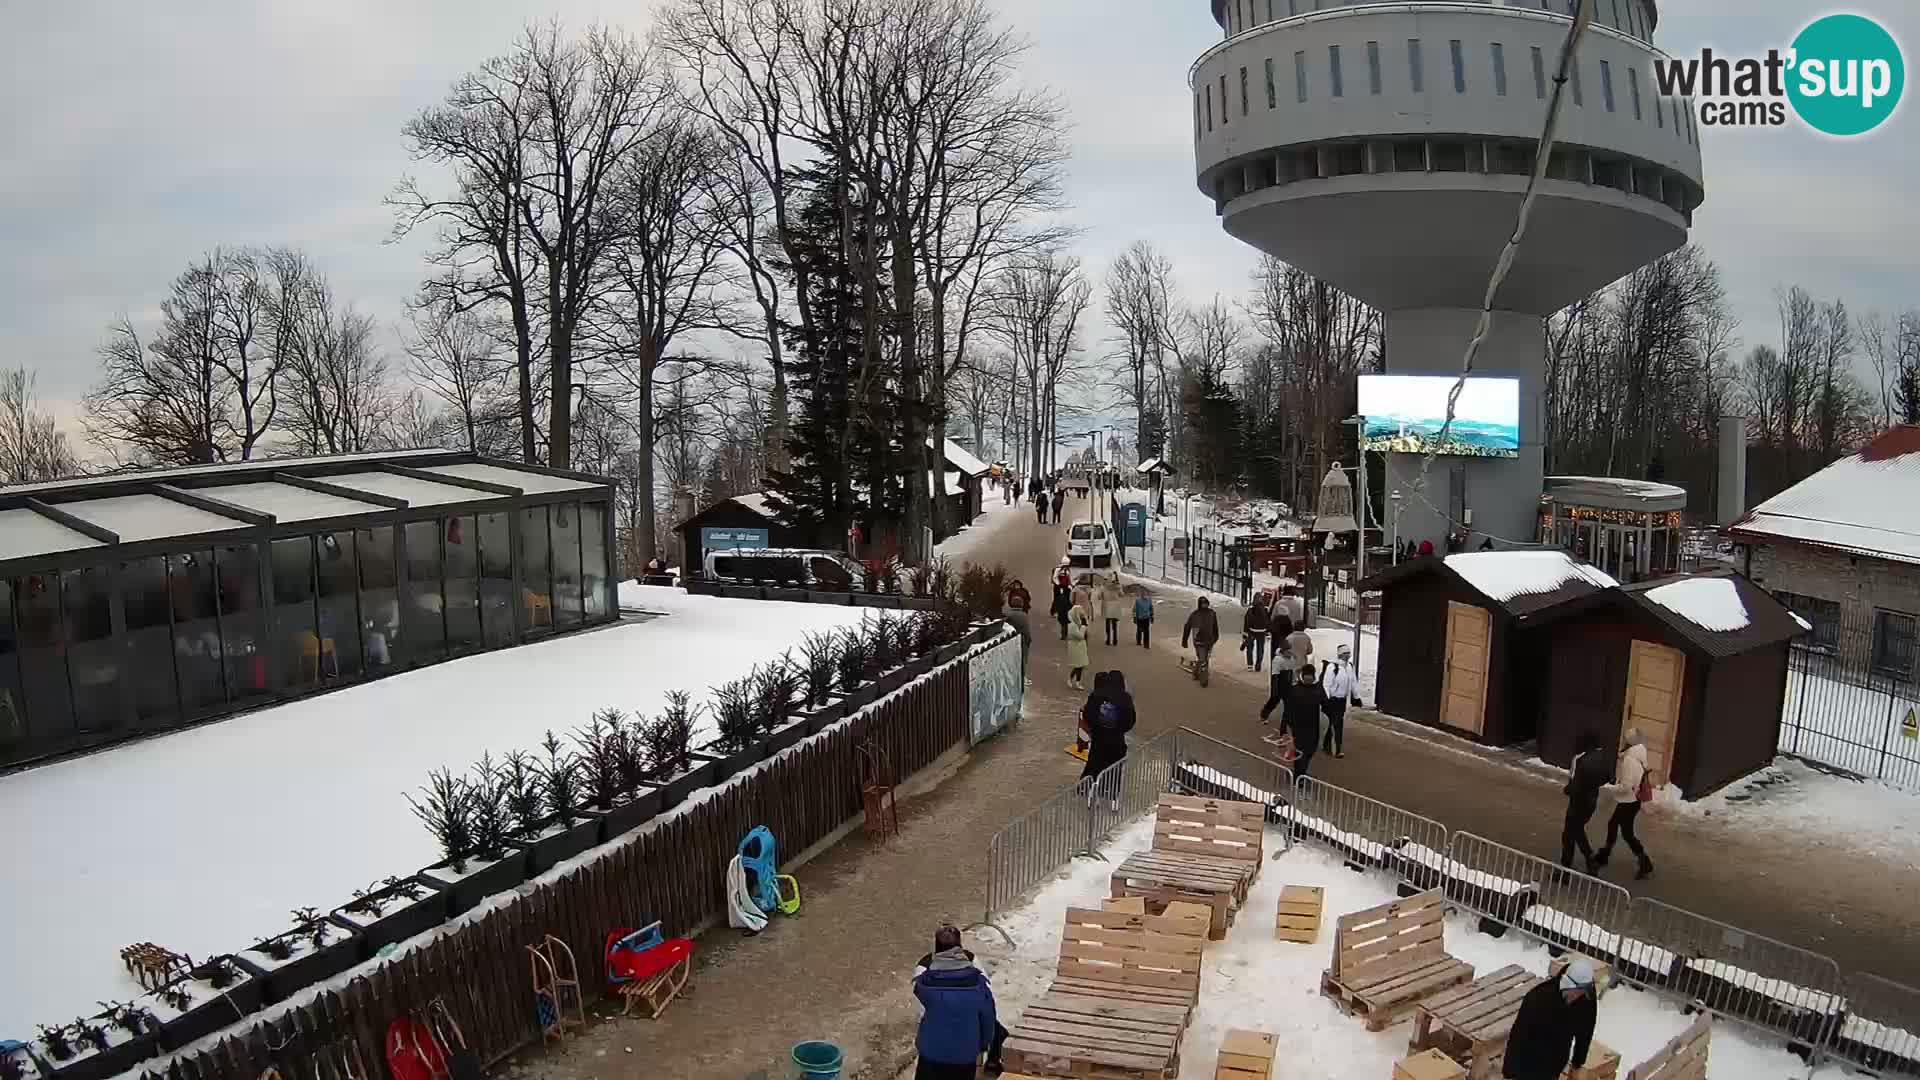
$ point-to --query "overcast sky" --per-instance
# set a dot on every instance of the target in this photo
(135, 136)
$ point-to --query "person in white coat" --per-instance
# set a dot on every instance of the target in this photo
(1336, 678)
(1632, 787)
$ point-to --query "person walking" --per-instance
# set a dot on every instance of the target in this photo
(1305, 700)
(1554, 1026)
(1107, 600)
(1107, 717)
(1062, 605)
(1590, 773)
(1076, 646)
(1336, 679)
(1203, 629)
(1019, 606)
(1040, 505)
(1632, 788)
(1142, 621)
(1253, 633)
(1277, 686)
(1059, 501)
(959, 1021)
(1295, 606)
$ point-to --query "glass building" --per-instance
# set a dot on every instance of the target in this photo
(140, 602)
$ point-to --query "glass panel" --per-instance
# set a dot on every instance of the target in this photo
(43, 656)
(339, 591)
(1606, 84)
(593, 558)
(463, 582)
(1373, 68)
(423, 632)
(1335, 72)
(242, 632)
(496, 580)
(13, 704)
(196, 633)
(94, 664)
(301, 659)
(1273, 97)
(1415, 75)
(536, 594)
(379, 594)
(1300, 75)
(1243, 91)
(1539, 75)
(565, 518)
(1499, 69)
(143, 592)
(1459, 67)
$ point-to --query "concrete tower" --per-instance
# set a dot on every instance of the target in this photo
(1384, 146)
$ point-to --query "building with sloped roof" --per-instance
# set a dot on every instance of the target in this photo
(138, 602)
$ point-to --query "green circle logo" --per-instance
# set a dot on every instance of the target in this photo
(1847, 75)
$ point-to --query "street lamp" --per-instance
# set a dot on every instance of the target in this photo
(1395, 497)
(1360, 535)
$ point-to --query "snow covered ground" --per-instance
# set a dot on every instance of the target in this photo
(1794, 800)
(1851, 727)
(204, 840)
(1252, 981)
(964, 546)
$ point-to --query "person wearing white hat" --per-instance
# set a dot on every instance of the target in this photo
(1554, 1026)
(1632, 788)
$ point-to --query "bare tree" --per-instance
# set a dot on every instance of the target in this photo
(453, 359)
(1324, 339)
(1139, 307)
(32, 447)
(1036, 310)
(164, 404)
(334, 383)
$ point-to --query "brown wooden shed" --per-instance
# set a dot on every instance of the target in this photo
(1697, 662)
(1454, 650)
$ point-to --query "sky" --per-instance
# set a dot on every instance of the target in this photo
(138, 136)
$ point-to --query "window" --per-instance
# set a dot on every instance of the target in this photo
(300, 650)
(423, 615)
(1677, 122)
(1224, 114)
(1606, 84)
(13, 705)
(1459, 67)
(565, 518)
(536, 569)
(1659, 113)
(1578, 97)
(1619, 21)
(149, 649)
(199, 656)
(1893, 645)
(1197, 129)
(43, 661)
(1373, 68)
(1415, 77)
(1333, 70)
(93, 662)
(461, 553)
(593, 559)
(496, 580)
(1273, 98)
(1300, 75)
(337, 572)
(1823, 614)
(243, 633)
(1633, 83)
(1539, 74)
(1243, 91)
(1209, 93)
(379, 595)
(1499, 69)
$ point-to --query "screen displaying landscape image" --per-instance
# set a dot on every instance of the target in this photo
(1405, 413)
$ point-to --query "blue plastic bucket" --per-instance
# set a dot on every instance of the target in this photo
(817, 1060)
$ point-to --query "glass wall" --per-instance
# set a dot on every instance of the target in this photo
(43, 655)
(149, 651)
(423, 636)
(198, 655)
(93, 661)
(300, 656)
(13, 705)
(536, 593)
(496, 580)
(462, 556)
(242, 626)
(379, 595)
(339, 601)
(593, 557)
(565, 521)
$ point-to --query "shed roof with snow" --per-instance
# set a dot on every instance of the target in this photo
(1864, 504)
(1516, 582)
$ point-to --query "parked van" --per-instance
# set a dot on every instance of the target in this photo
(795, 567)
(1090, 541)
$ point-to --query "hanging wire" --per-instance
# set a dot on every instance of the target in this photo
(1583, 17)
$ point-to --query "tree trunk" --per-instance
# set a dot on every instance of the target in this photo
(644, 522)
(560, 391)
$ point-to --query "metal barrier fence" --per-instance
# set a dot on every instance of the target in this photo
(1367, 831)
(1847, 706)
(1878, 1031)
(1538, 898)
(1738, 975)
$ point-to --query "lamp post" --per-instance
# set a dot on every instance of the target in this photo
(1360, 535)
(1396, 525)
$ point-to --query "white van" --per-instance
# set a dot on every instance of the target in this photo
(1090, 541)
(804, 568)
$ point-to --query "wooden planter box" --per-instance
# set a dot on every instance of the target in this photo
(877, 600)
(123, 1052)
(701, 772)
(481, 880)
(787, 735)
(556, 843)
(281, 979)
(217, 1006)
(818, 719)
(399, 917)
(636, 809)
(729, 762)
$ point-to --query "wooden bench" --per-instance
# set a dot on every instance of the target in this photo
(1683, 1058)
(1298, 918)
(1071, 1034)
(1470, 1023)
(1225, 832)
(1162, 879)
(1387, 959)
(1133, 957)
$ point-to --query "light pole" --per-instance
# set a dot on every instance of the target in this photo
(1396, 525)
(1360, 536)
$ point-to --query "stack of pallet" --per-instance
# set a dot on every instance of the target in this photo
(1245, 1055)
(1298, 919)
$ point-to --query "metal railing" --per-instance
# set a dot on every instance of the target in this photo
(1366, 831)
(1538, 898)
(1878, 1031)
(1203, 765)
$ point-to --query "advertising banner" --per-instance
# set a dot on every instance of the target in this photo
(995, 687)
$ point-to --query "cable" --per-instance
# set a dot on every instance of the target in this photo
(1583, 17)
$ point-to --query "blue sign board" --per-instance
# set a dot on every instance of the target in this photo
(1133, 525)
(728, 539)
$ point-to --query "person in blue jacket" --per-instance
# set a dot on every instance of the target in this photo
(1142, 620)
(959, 1022)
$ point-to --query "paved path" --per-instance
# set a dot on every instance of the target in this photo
(840, 970)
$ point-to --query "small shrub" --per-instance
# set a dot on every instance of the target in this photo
(218, 973)
(369, 901)
(774, 687)
(853, 660)
(310, 924)
(524, 791)
(819, 653)
(668, 739)
(492, 824)
(951, 624)
(175, 997)
(630, 755)
(599, 744)
(560, 773)
(132, 1019)
(941, 582)
(276, 948)
(90, 1033)
(58, 1042)
(923, 633)
(399, 888)
(883, 632)
(996, 580)
(735, 712)
(447, 812)
(920, 579)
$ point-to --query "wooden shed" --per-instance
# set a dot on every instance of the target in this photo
(1697, 662)
(1454, 650)
(737, 522)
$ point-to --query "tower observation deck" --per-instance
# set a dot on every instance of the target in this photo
(1385, 146)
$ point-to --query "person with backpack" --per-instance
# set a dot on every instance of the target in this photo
(1589, 774)
(959, 1022)
(1018, 606)
(1253, 633)
(1203, 629)
(1633, 788)
(1142, 620)
(1336, 679)
(1107, 716)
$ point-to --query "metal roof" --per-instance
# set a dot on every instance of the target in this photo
(1864, 504)
(1615, 493)
(288, 503)
(533, 483)
(25, 532)
(150, 517)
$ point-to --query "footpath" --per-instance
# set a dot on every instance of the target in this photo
(840, 970)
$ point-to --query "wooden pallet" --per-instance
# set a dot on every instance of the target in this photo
(1298, 919)
(1189, 918)
(1683, 1058)
(1387, 959)
(1227, 832)
(1070, 1034)
(1125, 905)
(1470, 1023)
(1165, 878)
(1603, 1063)
(1245, 1055)
(1129, 952)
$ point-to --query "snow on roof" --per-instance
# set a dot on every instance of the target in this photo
(1615, 491)
(960, 458)
(149, 517)
(1867, 503)
(415, 491)
(1504, 575)
(1710, 602)
(288, 503)
(954, 487)
(1151, 464)
(533, 483)
(24, 532)
(760, 502)
(266, 465)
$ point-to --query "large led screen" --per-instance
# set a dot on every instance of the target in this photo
(1405, 413)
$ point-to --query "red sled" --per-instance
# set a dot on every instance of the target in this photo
(412, 1051)
(645, 967)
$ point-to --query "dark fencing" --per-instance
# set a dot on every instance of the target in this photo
(1221, 564)
(671, 871)
(1851, 690)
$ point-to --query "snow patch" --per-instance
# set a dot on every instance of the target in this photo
(1503, 575)
(1712, 602)
(1453, 871)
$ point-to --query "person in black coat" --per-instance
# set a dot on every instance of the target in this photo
(1107, 716)
(1304, 702)
(1554, 1026)
(1062, 606)
(1592, 770)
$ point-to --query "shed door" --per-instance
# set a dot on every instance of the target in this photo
(1656, 675)
(1463, 689)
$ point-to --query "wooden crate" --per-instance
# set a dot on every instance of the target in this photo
(1603, 1063)
(1429, 1065)
(1125, 905)
(1187, 917)
(1602, 974)
(1299, 915)
(1245, 1055)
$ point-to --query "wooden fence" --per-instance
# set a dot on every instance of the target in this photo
(672, 872)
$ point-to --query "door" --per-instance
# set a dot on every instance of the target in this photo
(1463, 687)
(1656, 675)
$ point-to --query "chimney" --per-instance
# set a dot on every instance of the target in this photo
(1732, 486)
